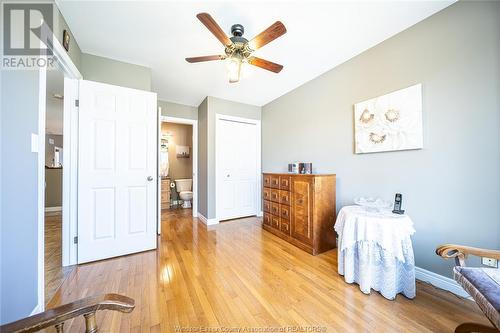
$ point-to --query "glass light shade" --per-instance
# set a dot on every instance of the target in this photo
(233, 69)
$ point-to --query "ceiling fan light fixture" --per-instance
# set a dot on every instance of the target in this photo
(238, 50)
(234, 68)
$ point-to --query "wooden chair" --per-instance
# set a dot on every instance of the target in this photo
(86, 307)
(483, 284)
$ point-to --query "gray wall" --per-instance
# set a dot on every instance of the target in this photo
(451, 187)
(53, 187)
(19, 200)
(74, 50)
(211, 107)
(178, 110)
(105, 70)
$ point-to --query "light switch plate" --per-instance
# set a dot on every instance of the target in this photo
(51, 141)
(489, 262)
(34, 143)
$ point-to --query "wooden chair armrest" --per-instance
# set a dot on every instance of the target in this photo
(86, 307)
(459, 252)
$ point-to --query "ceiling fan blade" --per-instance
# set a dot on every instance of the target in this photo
(270, 66)
(214, 28)
(276, 30)
(205, 58)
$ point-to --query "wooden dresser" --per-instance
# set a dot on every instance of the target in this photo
(300, 209)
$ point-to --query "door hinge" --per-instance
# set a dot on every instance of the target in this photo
(75, 239)
(77, 102)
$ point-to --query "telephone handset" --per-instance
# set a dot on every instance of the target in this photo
(398, 201)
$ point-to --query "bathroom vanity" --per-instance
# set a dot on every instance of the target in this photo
(300, 209)
(165, 193)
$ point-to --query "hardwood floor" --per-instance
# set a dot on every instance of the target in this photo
(54, 272)
(238, 275)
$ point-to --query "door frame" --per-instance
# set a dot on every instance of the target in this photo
(70, 137)
(185, 121)
(257, 123)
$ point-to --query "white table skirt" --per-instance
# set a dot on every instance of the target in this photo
(368, 265)
(365, 261)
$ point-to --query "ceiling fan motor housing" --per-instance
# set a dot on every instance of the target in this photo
(237, 30)
(239, 48)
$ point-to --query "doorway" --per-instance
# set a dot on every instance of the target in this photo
(54, 271)
(58, 91)
(177, 158)
(238, 167)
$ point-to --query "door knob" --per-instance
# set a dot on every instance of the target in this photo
(150, 178)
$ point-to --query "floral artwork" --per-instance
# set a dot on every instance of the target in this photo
(390, 122)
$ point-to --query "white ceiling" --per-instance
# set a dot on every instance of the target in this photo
(160, 34)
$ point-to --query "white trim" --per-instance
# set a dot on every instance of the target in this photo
(42, 98)
(194, 123)
(67, 67)
(207, 221)
(158, 183)
(257, 123)
(261, 213)
(440, 281)
(36, 310)
(70, 173)
(53, 209)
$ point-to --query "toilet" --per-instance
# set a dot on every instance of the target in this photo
(184, 188)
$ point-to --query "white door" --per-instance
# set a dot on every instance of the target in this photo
(237, 169)
(116, 171)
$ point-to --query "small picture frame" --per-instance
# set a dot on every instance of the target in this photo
(66, 38)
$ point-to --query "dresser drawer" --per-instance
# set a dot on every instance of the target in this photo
(266, 193)
(266, 206)
(285, 212)
(285, 198)
(275, 222)
(267, 219)
(275, 195)
(275, 181)
(267, 181)
(285, 183)
(275, 209)
(285, 226)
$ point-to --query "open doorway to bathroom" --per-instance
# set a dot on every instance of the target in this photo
(54, 272)
(178, 166)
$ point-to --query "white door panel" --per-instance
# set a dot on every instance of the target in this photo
(236, 169)
(117, 154)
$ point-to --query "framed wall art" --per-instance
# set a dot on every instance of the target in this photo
(389, 122)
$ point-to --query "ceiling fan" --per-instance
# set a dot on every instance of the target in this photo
(238, 50)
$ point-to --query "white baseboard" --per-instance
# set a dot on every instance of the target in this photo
(207, 221)
(53, 209)
(440, 281)
(260, 214)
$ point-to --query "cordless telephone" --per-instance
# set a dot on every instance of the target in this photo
(397, 204)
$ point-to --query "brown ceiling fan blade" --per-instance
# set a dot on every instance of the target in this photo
(270, 66)
(205, 58)
(214, 28)
(276, 30)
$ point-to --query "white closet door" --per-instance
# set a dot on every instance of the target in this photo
(116, 171)
(236, 169)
